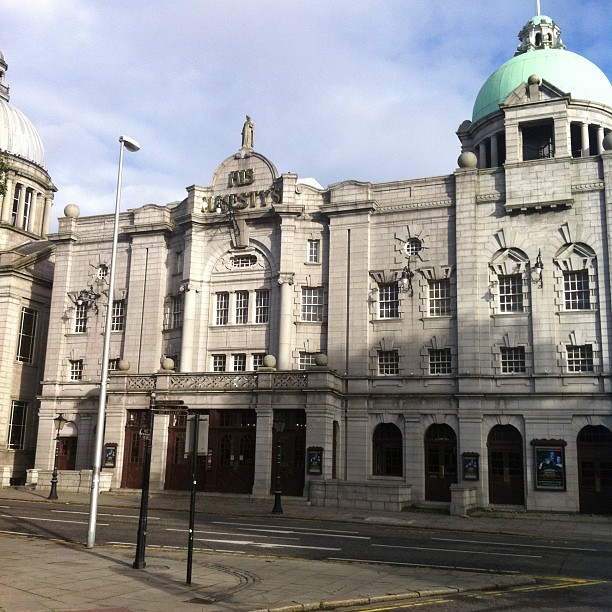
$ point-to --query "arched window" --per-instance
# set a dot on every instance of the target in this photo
(388, 450)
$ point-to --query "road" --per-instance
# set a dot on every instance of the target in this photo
(563, 557)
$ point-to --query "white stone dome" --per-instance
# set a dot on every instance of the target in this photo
(18, 136)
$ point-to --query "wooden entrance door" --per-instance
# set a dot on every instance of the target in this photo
(134, 449)
(178, 466)
(440, 462)
(292, 442)
(506, 477)
(594, 447)
(66, 459)
(230, 465)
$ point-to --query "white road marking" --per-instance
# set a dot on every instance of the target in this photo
(264, 544)
(228, 533)
(454, 567)
(150, 518)
(282, 527)
(453, 550)
(35, 518)
(309, 533)
(511, 544)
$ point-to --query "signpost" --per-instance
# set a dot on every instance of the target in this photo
(155, 407)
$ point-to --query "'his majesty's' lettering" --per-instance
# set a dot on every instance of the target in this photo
(240, 178)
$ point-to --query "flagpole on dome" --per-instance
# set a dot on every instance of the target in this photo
(538, 7)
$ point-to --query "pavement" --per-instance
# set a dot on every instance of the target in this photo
(50, 574)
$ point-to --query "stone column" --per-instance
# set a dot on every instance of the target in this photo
(482, 155)
(7, 201)
(494, 154)
(584, 129)
(600, 137)
(46, 222)
(33, 215)
(284, 328)
(263, 451)
(188, 336)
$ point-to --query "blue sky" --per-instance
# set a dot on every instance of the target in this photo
(371, 90)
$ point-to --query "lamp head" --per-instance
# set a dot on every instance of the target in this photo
(129, 143)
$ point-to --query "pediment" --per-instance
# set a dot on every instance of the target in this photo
(528, 94)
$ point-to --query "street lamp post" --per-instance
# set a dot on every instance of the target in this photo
(59, 421)
(132, 146)
(279, 427)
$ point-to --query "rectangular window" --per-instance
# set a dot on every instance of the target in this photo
(314, 251)
(239, 362)
(439, 298)
(178, 268)
(242, 307)
(262, 306)
(219, 363)
(15, 209)
(510, 292)
(576, 289)
(80, 319)
(580, 358)
(17, 425)
(388, 363)
(76, 369)
(307, 360)
(176, 311)
(258, 360)
(513, 359)
(113, 364)
(27, 335)
(27, 206)
(538, 140)
(440, 361)
(222, 309)
(312, 304)
(388, 301)
(118, 320)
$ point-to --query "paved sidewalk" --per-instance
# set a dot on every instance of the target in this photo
(38, 574)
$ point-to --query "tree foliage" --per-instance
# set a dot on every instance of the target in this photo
(4, 167)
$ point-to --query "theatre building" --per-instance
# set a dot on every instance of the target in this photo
(443, 340)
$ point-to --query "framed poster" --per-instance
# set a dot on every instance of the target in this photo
(110, 456)
(471, 468)
(549, 465)
(315, 460)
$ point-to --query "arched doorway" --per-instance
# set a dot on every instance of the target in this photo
(594, 449)
(388, 450)
(506, 478)
(440, 462)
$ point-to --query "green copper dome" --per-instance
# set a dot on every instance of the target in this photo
(569, 72)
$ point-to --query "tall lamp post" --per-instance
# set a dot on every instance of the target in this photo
(59, 421)
(132, 146)
(279, 427)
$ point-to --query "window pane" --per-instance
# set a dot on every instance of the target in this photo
(439, 298)
(242, 307)
(576, 287)
(312, 304)
(388, 301)
(440, 361)
(17, 425)
(219, 362)
(262, 306)
(388, 363)
(313, 251)
(222, 312)
(80, 319)
(118, 319)
(306, 360)
(27, 335)
(580, 358)
(510, 293)
(76, 369)
(239, 362)
(512, 359)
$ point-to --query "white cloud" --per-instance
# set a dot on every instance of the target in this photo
(338, 90)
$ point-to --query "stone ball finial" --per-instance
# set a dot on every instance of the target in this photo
(72, 211)
(320, 359)
(124, 365)
(269, 361)
(467, 160)
(607, 142)
(167, 363)
(534, 79)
